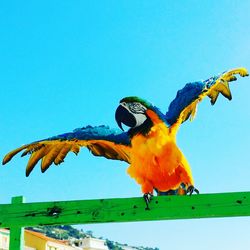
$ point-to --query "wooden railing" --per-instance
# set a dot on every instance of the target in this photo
(19, 214)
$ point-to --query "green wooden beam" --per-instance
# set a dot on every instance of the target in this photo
(16, 232)
(125, 210)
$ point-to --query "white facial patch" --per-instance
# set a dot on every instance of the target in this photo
(140, 119)
(138, 111)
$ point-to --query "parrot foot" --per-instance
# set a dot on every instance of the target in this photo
(192, 189)
(147, 198)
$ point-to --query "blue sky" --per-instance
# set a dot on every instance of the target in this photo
(66, 64)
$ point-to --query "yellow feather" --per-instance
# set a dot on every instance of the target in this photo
(227, 76)
(48, 159)
(223, 88)
(75, 148)
(32, 148)
(63, 152)
(35, 157)
(213, 94)
(9, 156)
(189, 111)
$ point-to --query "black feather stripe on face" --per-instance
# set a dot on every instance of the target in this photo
(136, 108)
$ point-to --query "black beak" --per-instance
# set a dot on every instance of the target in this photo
(122, 115)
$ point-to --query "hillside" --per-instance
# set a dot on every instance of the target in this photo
(64, 232)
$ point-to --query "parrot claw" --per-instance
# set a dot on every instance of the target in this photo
(192, 189)
(147, 198)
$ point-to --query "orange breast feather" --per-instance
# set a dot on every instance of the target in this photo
(157, 162)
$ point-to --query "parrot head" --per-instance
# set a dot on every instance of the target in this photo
(132, 112)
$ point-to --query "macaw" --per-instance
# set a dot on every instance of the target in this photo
(149, 145)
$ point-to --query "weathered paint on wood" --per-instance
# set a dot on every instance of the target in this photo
(16, 232)
(125, 210)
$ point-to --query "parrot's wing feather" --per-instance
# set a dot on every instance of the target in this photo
(100, 140)
(185, 104)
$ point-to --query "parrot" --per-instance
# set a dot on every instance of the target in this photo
(149, 145)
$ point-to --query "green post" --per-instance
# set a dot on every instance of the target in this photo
(17, 232)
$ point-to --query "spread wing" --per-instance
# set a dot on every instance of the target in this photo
(100, 140)
(185, 103)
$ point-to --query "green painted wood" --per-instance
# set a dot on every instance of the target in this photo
(16, 231)
(125, 210)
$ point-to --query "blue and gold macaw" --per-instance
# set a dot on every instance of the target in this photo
(149, 146)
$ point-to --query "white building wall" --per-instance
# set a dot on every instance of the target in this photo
(93, 244)
(56, 246)
(29, 248)
(4, 239)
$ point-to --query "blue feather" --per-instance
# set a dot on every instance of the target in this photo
(95, 133)
(186, 96)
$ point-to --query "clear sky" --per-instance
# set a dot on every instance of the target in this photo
(66, 64)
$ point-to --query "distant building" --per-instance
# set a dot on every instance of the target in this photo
(29, 248)
(39, 241)
(4, 239)
(92, 244)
